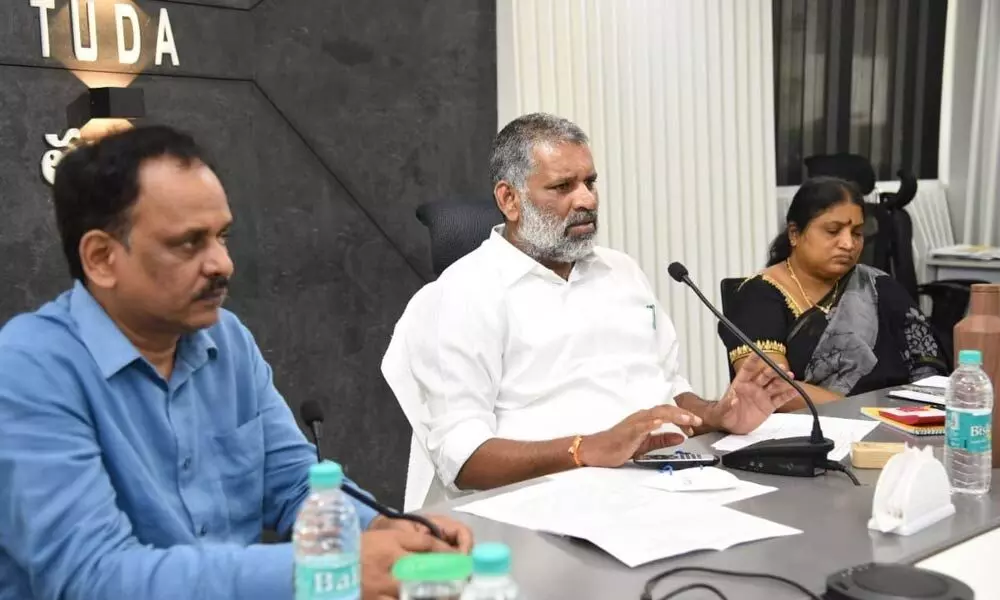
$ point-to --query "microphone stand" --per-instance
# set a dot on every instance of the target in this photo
(805, 456)
(385, 511)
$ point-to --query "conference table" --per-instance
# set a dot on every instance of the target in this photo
(831, 512)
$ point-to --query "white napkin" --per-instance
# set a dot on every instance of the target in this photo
(697, 479)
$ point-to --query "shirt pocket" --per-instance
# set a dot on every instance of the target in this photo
(240, 463)
(627, 330)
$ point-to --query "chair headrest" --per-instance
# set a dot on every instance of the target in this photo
(906, 193)
(457, 227)
(852, 167)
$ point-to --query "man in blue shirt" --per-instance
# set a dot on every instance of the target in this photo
(143, 445)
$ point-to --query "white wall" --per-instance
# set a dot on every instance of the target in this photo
(677, 96)
(970, 140)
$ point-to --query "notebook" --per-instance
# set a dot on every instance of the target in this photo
(930, 390)
(916, 414)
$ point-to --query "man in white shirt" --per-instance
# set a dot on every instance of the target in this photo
(539, 352)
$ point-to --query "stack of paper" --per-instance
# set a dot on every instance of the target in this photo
(634, 523)
(778, 426)
(929, 389)
(967, 251)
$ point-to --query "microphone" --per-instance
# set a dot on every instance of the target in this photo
(804, 456)
(312, 415)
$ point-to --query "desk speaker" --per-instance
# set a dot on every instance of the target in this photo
(875, 581)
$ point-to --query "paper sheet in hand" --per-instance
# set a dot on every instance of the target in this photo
(633, 523)
(779, 426)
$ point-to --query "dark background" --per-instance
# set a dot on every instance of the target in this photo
(859, 76)
(330, 122)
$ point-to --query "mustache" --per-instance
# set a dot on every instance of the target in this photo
(214, 287)
(580, 218)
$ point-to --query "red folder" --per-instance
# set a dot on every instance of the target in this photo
(914, 415)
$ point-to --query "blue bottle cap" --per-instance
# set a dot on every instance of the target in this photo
(325, 476)
(970, 357)
(491, 558)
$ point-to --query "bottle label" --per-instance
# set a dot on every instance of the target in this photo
(969, 430)
(335, 577)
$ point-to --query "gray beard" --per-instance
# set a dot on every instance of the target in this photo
(543, 237)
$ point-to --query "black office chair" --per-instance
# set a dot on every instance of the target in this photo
(889, 241)
(457, 227)
(729, 287)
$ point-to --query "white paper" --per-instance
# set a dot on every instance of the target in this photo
(967, 251)
(742, 491)
(631, 475)
(935, 399)
(934, 381)
(698, 479)
(779, 426)
(634, 523)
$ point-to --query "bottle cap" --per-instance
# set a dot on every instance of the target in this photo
(492, 558)
(325, 475)
(437, 567)
(970, 357)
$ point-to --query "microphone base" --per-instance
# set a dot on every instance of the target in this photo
(797, 457)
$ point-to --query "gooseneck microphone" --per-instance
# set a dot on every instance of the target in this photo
(804, 456)
(312, 415)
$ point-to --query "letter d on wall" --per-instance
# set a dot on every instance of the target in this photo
(127, 56)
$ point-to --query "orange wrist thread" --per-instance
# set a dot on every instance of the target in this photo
(574, 450)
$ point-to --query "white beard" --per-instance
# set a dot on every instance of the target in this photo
(543, 236)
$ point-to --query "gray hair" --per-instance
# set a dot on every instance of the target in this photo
(511, 159)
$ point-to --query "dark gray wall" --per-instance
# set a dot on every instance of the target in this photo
(329, 122)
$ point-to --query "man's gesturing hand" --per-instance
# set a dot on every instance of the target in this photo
(633, 436)
(756, 392)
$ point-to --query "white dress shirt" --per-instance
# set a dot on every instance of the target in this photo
(506, 348)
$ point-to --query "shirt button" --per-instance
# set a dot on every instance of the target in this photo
(203, 531)
(186, 464)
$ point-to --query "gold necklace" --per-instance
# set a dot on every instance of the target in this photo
(805, 296)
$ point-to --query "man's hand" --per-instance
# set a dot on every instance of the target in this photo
(756, 392)
(631, 437)
(380, 549)
(454, 532)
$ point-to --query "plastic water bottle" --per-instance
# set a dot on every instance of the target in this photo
(969, 404)
(491, 578)
(327, 540)
(432, 576)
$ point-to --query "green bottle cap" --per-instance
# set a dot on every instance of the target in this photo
(433, 567)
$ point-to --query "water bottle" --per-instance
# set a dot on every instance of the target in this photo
(327, 540)
(969, 404)
(491, 578)
(432, 576)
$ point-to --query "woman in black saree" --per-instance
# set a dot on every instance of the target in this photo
(840, 327)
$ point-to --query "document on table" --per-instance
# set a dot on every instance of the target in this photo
(634, 523)
(780, 425)
(929, 389)
(631, 475)
(977, 252)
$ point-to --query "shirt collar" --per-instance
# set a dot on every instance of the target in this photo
(515, 264)
(109, 347)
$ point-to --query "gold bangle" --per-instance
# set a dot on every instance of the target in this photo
(574, 450)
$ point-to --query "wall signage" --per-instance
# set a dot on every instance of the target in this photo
(83, 17)
(59, 146)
